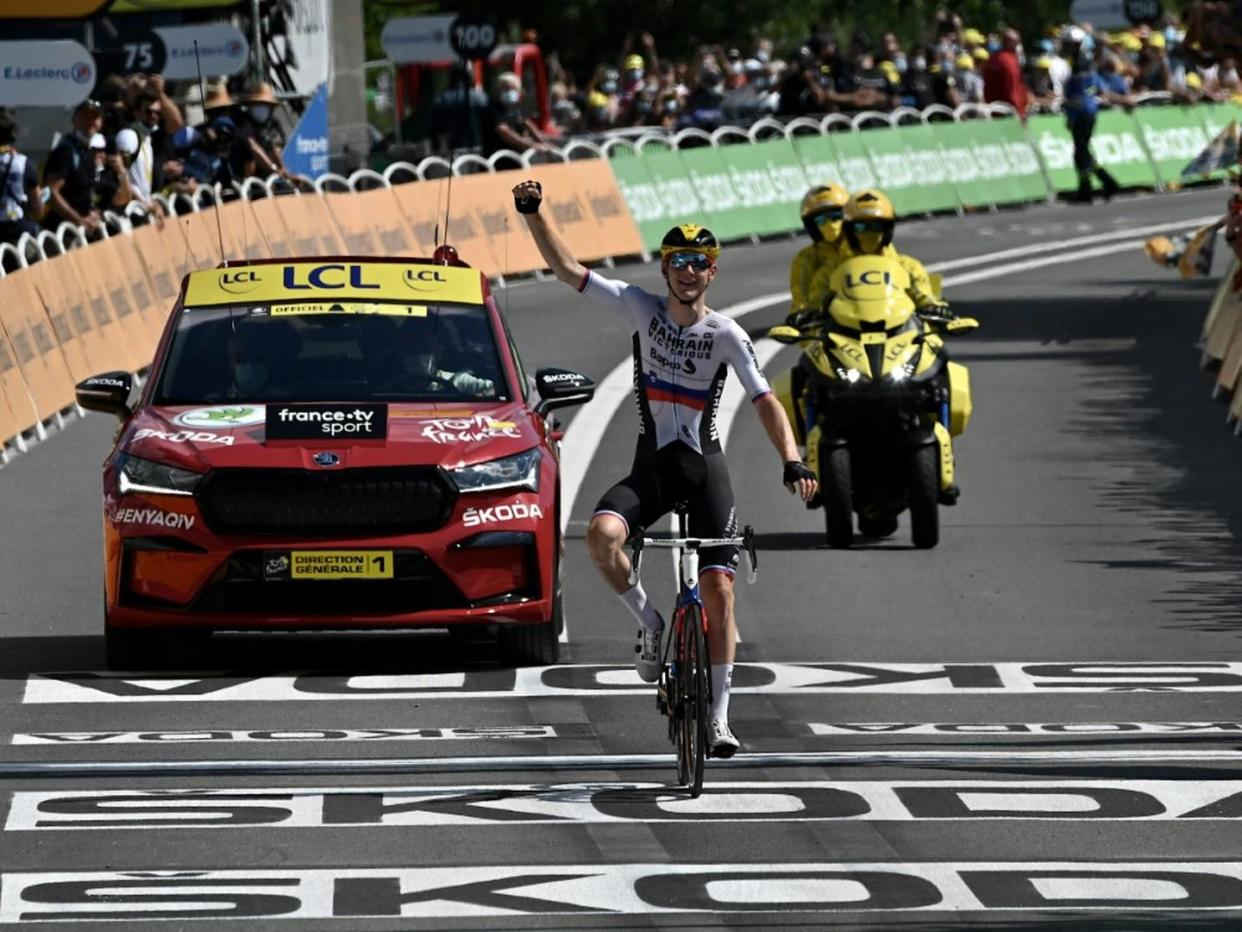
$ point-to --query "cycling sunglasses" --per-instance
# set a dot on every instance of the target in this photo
(870, 226)
(831, 215)
(692, 260)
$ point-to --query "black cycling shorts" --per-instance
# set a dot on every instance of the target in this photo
(660, 479)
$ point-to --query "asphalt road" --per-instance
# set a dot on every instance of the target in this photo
(1033, 725)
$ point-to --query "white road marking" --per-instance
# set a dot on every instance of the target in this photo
(770, 679)
(285, 735)
(615, 801)
(1022, 729)
(506, 891)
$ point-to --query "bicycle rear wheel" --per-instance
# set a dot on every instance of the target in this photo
(696, 700)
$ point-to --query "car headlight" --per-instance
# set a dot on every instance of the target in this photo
(138, 475)
(520, 471)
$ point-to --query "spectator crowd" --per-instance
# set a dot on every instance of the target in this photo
(958, 64)
(130, 142)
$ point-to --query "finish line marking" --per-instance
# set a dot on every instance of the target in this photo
(1020, 729)
(609, 762)
(604, 889)
(643, 803)
(621, 679)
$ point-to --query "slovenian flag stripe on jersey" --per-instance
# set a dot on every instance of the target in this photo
(659, 390)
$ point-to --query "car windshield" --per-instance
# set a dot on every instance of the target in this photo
(347, 351)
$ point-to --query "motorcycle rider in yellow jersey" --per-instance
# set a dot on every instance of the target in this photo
(822, 212)
(868, 230)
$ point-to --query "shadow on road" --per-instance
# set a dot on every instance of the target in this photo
(1150, 405)
(358, 653)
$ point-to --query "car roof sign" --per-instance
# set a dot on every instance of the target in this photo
(334, 281)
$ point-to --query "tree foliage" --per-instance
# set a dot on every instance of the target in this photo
(584, 33)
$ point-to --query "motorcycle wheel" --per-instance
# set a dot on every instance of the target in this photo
(924, 497)
(837, 493)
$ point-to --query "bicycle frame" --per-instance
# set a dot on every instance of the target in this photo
(684, 693)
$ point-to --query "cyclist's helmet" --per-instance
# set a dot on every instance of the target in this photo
(822, 211)
(690, 237)
(869, 221)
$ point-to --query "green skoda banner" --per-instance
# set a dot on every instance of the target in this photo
(1173, 137)
(753, 189)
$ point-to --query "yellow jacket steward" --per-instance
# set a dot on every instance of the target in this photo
(920, 291)
(806, 264)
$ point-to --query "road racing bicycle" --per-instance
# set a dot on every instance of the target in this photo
(684, 690)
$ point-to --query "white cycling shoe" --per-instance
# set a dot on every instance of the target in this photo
(720, 740)
(648, 650)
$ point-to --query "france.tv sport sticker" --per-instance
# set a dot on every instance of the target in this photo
(327, 421)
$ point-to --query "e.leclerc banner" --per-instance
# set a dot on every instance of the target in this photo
(45, 73)
(306, 152)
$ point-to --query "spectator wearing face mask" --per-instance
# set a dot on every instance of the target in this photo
(917, 89)
(1002, 78)
(565, 113)
(259, 138)
(969, 81)
(668, 109)
(507, 127)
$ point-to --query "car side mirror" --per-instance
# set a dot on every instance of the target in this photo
(107, 393)
(786, 335)
(562, 388)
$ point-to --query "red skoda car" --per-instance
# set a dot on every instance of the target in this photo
(337, 443)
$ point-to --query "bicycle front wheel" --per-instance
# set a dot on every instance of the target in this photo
(696, 700)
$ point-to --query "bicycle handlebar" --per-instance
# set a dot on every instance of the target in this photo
(746, 542)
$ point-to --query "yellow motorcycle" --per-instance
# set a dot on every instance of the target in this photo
(877, 403)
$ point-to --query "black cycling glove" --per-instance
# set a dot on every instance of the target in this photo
(795, 471)
(530, 203)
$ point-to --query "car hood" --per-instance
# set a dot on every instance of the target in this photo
(211, 436)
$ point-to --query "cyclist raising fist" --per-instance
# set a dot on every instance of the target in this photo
(683, 351)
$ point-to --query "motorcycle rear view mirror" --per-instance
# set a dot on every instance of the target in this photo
(786, 335)
(961, 325)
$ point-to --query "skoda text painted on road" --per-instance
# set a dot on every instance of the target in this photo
(288, 735)
(1007, 729)
(618, 889)
(589, 803)
(617, 679)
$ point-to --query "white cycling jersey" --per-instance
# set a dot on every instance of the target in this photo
(679, 372)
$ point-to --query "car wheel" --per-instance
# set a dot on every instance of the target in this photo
(924, 497)
(836, 491)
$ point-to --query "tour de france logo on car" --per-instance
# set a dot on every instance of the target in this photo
(327, 421)
(222, 416)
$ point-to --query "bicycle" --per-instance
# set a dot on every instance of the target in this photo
(684, 690)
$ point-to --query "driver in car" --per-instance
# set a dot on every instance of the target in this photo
(423, 352)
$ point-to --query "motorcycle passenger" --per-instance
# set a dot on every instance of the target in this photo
(683, 351)
(822, 212)
(868, 231)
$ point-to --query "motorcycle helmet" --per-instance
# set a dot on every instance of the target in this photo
(690, 237)
(869, 221)
(823, 210)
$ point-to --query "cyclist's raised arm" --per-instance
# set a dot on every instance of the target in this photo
(527, 196)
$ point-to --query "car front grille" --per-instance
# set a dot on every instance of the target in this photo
(342, 503)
